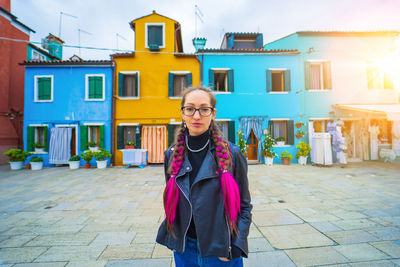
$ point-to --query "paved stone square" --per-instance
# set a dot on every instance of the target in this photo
(302, 216)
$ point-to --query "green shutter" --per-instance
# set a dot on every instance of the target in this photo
(120, 137)
(170, 84)
(327, 75)
(287, 81)
(30, 138)
(120, 84)
(188, 80)
(102, 136)
(39, 88)
(271, 128)
(269, 81)
(84, 137)
(46, 138)
(91, 91)
(137, 84)
(44, 88)
(211, 79)
(231, 132)
(290, 132)
(307, 74)
(138, 141)
(98, 87)
(171, 128)
(230, 81)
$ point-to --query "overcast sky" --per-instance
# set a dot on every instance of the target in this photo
(104, 19)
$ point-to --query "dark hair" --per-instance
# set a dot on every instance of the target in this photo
(224, 159)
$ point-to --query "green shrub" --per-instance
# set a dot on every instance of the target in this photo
(16, 154)
(303, 150)
(36, 159)
(75, 158)
(38, 145)
(87, 156)
(281, 138)
(91, 144)
(286, 154)
(101, 155)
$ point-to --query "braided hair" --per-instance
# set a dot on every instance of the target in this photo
(223, 155)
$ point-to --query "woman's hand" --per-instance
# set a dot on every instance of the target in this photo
(223, 259)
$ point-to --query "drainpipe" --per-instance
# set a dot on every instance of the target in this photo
(113, 113)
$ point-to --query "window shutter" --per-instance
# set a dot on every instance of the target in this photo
(307, 74)
(290, 132)
(188, 80)
(84, 137)
(271, 128)
(46, 138)
(230, 81)
(211, 79)
(120, 137)
(170, 84)
(269, 80)
(91, 91)
(99, 87)
(47, 88)
(39, 89)
(231, 132)
(327, 75)
(287, 81)
(259, 41)
(102, 136)
(30, 138)
(170, 134)
(120, 84)
(138, 137)
(137, 84)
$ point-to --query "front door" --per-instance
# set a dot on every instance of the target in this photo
(73, 142)
(252, 146)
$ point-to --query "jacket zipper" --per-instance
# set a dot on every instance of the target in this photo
(229, 241)
(187, 228)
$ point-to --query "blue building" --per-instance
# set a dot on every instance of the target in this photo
(256, 90)
(67, 105)
(349, 78)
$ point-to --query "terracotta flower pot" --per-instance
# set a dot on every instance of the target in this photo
(298, 125)
(129, 147)
(27, 166)
(87, 165)
(285, 161)
(298, 136)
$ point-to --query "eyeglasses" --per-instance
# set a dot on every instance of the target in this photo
(205, 112)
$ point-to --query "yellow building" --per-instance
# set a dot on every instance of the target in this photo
(148, 84)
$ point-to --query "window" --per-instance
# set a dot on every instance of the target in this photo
(155, 37)
(44, 88)
(228, 130)
(318, 75)
(172, 131)
(320, 126)
(221, 80)
(129, 134)
(378, 79)
(278, 80)
(245, 43)
(94, 134)
(37, 56)
(177, 82)
(223, 126)
(37, 134)
(282, 128)
(128, 84)
(95, 87)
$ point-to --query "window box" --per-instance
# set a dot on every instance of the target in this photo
(154, 47)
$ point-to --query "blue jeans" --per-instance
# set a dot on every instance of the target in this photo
(191, 258)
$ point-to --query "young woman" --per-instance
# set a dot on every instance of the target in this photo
(206, 199)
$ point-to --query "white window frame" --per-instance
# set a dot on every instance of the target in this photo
(281, 119)
(34, 137)
(138, 83)
(36, 77)
(87, 87)
(146, 33)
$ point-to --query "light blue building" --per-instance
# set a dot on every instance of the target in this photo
(348, 78)
(71, 100)
(256, 90)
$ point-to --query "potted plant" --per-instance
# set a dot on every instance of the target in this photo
(101, 158)
(130, 145)
(38, 147)
(299, 124)
(36, 163)
(268, 150)
(74, 162)
(242, 144)
(280, 141)
(303, 151)
(17, 158)
(286, 157)
(92, 146)
(87, 156)
(300, 134)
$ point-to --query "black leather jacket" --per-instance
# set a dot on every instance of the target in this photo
(204, 201)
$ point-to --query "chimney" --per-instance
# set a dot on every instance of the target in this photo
(199, 43)
(54, 45)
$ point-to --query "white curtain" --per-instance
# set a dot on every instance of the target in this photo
(60, 145)
(257, 128)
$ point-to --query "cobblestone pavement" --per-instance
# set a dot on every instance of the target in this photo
(302, 216)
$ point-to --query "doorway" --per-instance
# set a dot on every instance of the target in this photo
(252, 146)
(352, 136)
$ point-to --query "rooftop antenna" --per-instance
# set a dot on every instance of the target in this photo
(197, 15)
(59, 25)
(120, 36)
(79, 39)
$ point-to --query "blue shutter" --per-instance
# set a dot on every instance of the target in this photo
(138, 138)
(259, 41)
(269, 81)
(120, 84)
(290, 132)
(271, 129)
(287, 80)
(170, 84)
(231, 41)
(137, 84)
(171, 136)
(211, 79)
(230, 81)
(307, 75)
(188, 80)
(231, 132)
